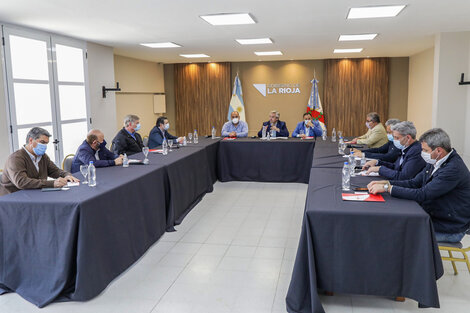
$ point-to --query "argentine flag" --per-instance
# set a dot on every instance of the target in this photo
(236, 103)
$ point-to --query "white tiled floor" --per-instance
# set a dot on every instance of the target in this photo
(233, 253)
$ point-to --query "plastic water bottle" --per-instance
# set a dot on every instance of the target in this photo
(340, 146)
(125, 161)
(185, 142)
(346, 177)
(164, 147)
(323, 135)
(333, 135)
(213, 132)
(91, 175)
(363, 159)
(196, 140)
(263, 132)
(273, 133)
(352, 163)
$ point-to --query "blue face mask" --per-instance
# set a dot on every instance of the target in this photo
(390, 137)
(137, 128)
(40, 149)
(398, 144)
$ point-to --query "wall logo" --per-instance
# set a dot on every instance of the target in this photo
(277, 89)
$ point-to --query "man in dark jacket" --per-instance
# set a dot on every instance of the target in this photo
(388, 152)
(127, 140)
(94, 149)
(160, 133)
(442, 188)
(409, 164)
(275, 124)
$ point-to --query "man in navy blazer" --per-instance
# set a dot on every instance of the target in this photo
(160, 132)
(310, 128)
(275, 124)
(94, 149)
(442, 188)
(388, 152)
(409, 164)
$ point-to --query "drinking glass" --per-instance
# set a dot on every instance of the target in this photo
(190, 137)
(145, 151)
(301, 132)
(84, 171)
(340, 133)
(170, 144)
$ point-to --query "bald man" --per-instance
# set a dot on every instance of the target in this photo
(94, 149)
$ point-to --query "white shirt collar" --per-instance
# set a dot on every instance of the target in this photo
(439, 163)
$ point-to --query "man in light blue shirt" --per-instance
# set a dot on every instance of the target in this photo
(307, 128)
(235, 127)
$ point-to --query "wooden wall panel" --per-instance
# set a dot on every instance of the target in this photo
(353, 88)
(202, 97)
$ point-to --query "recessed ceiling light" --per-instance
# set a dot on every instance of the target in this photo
(161, 45)
(376, 11)
(256, 41)
(268, 53)
(228, 19)
(357, 37)
(355, 50)
(197, 55)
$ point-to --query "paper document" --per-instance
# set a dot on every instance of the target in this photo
(364, 173)
(362, 197)
(72, 184)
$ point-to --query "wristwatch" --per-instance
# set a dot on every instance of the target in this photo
(386, 186)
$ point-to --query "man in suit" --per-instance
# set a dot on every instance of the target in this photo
(275, 124)
(160, 132)
(127, 140)
(94, 149)
(235, 127)
(442, 188)
(376, 135)
(309, 127)
(29, 167)
(409, 163)
(388, 152)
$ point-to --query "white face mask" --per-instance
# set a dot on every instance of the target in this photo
(306, 122)
(235, 120)
(367, 125)
(427, 157)
(167, 126)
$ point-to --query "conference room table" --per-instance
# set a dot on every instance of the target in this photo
(351, 247)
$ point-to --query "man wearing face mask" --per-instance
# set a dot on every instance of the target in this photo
(127, 140)
(275, 124)
(235, 127)
(160, 133)
(309, 127)
(94, 149)
(376, 135)
(388, 152)
(410, 161)
(442, 188)
(29, 167)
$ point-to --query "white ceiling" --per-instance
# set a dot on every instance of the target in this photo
(301, 29)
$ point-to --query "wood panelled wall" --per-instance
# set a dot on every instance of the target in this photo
(202, 96)
(353, 88)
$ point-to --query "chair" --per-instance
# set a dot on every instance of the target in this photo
(145, 140)
(1, 173)
(67, 163)
(455, 247)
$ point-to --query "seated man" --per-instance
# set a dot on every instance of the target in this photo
(94, 149)
(275, 124)
(388, 152)
(29, 167)
(442, 188)
(310, 128)
(127, 140)
(410, 161)
(235, 127)
(376, 136)
(160, 132)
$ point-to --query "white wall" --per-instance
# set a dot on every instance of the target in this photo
(420, 91)
(450, 100)
(101, 73)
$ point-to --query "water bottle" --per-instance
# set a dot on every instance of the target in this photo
(264, 132)
(352, 163)
(213, 132)
(125, 161)
(333, 135)
(346, 177)
(196, 140)
(363, 159)
(185, 142)
(91, 175)
(164, 147)
(340, 145)
(323, 135)
(273, 133)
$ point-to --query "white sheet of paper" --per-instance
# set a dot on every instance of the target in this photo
(364, 173)
(134, 161)
(72, 184)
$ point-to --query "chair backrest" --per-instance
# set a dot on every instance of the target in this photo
(1, 173)
(145, 140)
(67, 163)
